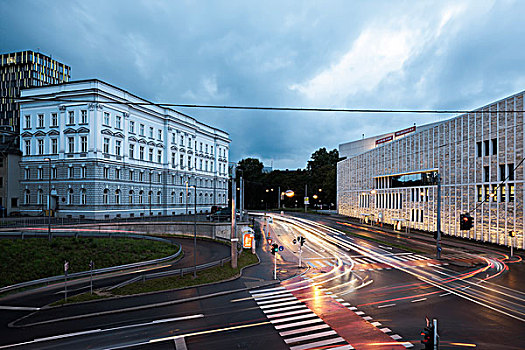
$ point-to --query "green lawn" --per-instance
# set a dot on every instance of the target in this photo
(214, 274)
(34, 258)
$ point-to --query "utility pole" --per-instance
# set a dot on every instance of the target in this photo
(233, 236)
(305, 196)
(195, 235)
(241, 199)
(279, 198)
(438, 224)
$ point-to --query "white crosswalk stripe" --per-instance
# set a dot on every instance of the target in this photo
(299, 327)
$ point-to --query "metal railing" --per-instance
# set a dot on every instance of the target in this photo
(96, 271)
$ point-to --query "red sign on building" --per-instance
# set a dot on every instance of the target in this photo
(384, 139)
(405, 131)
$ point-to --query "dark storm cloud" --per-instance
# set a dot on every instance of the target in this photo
(442, 54)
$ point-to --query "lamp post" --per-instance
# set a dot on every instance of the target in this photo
(195, 233)
(49, 236)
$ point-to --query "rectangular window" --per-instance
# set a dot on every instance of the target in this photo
(27, 119)
(40, 173)
(54, 119)
(70, 172)
(106, 145)
(40, 147)
(40, 120)
(487, 146)
(131, 175)
(53, 173)
(511, 193)
(510, 171)
(173, 138)
(502, 193)
(189, 162)
(480, 193)
(200, 165)
(486, 174)
(182, 140)
(71, 117)
(141, 176)
(151, 132)
(27, 174)
(181, 161)
(131, 151)
(118, 122)
(494, 146)
(479, 148)
(200, 149)
(106, 173)
(132, 126)
(117, 174)
(71, 145)
(54, 146)
(487, 193)
(150, 154)
(159, 156)
(83, 116)
(206, 149)
(141, 130)
(494, 193)
(173, 158)
(211, 150)
(118, 145)
(141, 153)
(106, 120)
(83, 144)
(160, 134)
(83, 172)
(502, 172)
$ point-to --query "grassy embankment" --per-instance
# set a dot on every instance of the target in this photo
(213, 274)
(35, 258)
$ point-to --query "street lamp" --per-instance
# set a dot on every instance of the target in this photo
(195, 233)
(49, 236)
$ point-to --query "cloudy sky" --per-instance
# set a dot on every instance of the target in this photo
(336, 54)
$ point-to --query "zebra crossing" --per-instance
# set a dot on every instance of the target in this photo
(299, 327)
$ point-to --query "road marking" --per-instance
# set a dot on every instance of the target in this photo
(395, 336)
(309, 337)
(270, 295)
(367, 318)
(180, 343)
(387, 305)
(418, 300)
(444, 294)
(359, 313)
(289, 313)
(318, 344)
(281, 304)
(19, 308)
(382, 246)
(376, 324)
(304, 330)
(298, 324)
(294, 318)
(301, 306)
(266, 290)
(385, 330)
(265, 302)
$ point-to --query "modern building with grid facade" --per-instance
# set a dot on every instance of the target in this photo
(21, 70)
(478, 156)
(93, 150)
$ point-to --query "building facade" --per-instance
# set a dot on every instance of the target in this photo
(94, 150)
(479, 158)
(21, 70)
(9, 171)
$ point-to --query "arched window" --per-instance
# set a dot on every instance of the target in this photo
(83, 199)
(173, 198)
(181, 200)
(159, 197)
(117, 196)
(105, 196)
(141, 195)
(27, 197)
(150, 196)
(40, 197)
(70, 196)
(200, 198)
(130, 200)
(205, 198)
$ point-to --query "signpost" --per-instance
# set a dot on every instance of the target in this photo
(66, 267)
(91, 266)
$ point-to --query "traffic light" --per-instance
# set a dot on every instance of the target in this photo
(466, 222)
(275, 248)
(301, 240)
(427, 338)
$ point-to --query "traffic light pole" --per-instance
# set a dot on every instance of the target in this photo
(300, 255)
(438, 223)
(275, 266)
(435, 335)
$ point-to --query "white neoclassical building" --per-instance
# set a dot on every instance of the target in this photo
(94, 150)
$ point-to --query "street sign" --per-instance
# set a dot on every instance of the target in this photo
(247, 239)
(66, 266)
(281, 248)
(269, 240)
(306, 200)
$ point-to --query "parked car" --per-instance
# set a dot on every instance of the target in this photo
(223, 214)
